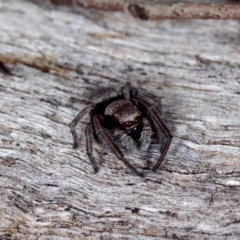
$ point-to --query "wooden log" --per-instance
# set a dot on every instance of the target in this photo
(110, 5)
(48, 190)
(160, 9)
(152, 10)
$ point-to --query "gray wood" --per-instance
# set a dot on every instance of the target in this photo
(48, 190)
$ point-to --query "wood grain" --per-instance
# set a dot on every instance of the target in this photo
(48, 190)
(150, 10)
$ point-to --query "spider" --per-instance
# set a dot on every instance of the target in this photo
(123, 120)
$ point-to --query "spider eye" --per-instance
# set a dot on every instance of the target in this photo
(136, 120)
(127, 124)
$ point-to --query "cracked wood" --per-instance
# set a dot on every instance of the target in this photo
(48, 190)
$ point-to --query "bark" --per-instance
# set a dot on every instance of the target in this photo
(112, 5)
(48, 189)
(149, 10)
(160, 9)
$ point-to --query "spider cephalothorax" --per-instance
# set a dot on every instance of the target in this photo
(124, 113)
(124, 121)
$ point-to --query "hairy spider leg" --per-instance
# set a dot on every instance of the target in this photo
(104, 136)
(75, 121)
(78, 100)
(89, 138)
(155, 116)
(126, 89)
(104, 95)
(146, 135)
(126, 142)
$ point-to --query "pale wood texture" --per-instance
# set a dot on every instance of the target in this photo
(48, 190)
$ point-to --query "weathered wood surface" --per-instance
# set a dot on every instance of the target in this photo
(161, 9)
(48, 190)
(181, 10)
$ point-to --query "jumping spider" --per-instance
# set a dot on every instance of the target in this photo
(123, 120)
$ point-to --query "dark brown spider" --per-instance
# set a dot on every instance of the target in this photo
(123, 120)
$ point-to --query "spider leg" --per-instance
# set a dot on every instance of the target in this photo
(127, 142)
(75, 121)
(151, 99)
(97, 97)
(160, 124)
(146, 135)
(102, 134)
(89, 136)
(126, 89)
(103, 95)
(78, 100)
